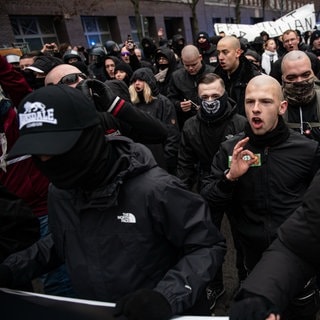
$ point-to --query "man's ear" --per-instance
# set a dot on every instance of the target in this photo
(283, 107)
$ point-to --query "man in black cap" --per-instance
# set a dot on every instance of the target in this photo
(127, 231)
(41, 67)
(207, 49)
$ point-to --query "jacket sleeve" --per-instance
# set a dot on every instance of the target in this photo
(184, 219)
(171, 145)
(34, 261)
(293, 258)
(215, 188)
(140, 126)
(187, 160)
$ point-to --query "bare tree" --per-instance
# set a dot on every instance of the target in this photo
(237, 11)
(136, 6)
(71, 7)
(194, 19)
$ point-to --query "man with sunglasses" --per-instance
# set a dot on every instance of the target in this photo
(128, 55)
(302, 91)
(120, 119)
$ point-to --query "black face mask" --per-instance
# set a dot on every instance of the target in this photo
(31, 79)
(86, 165)
(213, 109)
(163, 66)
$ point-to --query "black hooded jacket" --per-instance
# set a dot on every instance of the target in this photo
(162, 109)
(173, 65)
(140, 230)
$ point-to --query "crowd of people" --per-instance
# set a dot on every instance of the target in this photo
(119, 162)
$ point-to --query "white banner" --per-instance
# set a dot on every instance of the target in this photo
(302, 19)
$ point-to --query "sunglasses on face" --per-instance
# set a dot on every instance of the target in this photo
(72, 78)
(125, 54)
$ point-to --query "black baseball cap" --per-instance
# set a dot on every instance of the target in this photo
(43, 64)
(51, 120)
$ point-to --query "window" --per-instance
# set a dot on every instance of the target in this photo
(35, 30)
(96, 30)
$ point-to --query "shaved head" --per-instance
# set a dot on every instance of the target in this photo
(264, 103)
(231, 41)
(293, 57)
(190, 52)
(191, 59)
(55, 75)
(266, 81)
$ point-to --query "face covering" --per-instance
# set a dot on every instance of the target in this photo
(163, 66)
(86, 165)
(213, 108)
(297, 93)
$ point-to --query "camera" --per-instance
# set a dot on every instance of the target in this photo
(130, 44)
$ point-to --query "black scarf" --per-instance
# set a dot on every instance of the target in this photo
(270, 139)
(87, 165)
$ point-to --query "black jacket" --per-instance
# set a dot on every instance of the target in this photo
(161, 108)
(237, 82)
(19, 228)
(142, 230)
(185, 86)
(163, 84)
(292, 258)
(200, 140)
(267, 194)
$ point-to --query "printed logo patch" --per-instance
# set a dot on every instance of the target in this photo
(127, 217)
(35, 115)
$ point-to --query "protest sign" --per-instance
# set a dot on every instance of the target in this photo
(302, 19)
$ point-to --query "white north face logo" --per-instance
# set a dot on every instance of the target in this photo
(127, 217)
(35, 115)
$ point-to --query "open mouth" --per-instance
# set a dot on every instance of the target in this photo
(256, 122)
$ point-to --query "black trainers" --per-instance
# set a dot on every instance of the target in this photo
(213, 294)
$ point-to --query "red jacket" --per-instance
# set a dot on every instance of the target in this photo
(21, 178)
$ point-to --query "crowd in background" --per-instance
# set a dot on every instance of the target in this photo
(192, 101)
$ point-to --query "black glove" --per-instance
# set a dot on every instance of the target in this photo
(252, 308)
(5, 276)
(144, 304)
(102, 95)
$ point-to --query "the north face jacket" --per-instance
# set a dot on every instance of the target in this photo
(142, 230)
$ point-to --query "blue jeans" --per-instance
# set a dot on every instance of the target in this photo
(56, 282)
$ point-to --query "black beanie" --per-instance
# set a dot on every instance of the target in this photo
(315, 35)
(203, 35)
(124, 67)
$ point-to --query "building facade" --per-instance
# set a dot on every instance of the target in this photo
(87, 22)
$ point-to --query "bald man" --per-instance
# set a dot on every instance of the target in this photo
(183, 89)
(259, 176)
(65, 74)
(235, 69)
(302, 92)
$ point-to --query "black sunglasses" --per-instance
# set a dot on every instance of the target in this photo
(72, 78)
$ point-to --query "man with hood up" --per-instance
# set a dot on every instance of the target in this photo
(127, 231)
(166, 64)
